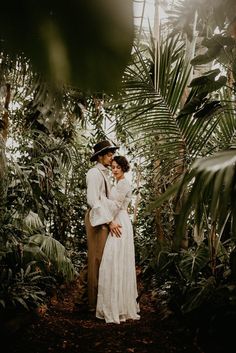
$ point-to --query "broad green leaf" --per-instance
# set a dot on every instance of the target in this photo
(82, 43)
(194, 261)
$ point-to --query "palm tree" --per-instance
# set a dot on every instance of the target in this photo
(174, 130)
(213, 176)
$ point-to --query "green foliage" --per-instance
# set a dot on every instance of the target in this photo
(186, 284)
(54, 253)
(213, 188)
(83, 43)
(54, 131)
(199, 294)
(207, 83)
(193, 261)
(21, 287)
(215, 46)
(147, 112)
(199, 103)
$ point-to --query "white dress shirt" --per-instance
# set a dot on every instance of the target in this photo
(95, 179)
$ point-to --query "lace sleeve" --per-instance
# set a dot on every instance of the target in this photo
(105, 209)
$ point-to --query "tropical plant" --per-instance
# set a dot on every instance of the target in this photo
(216, 114)
(21, 288)
(51, 255)
(63, 47)
(172, 125)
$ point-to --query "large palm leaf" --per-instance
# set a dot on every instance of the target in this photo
(212, 192)
(210, 197)
(148, 112)
(46, 247)
(154, 113)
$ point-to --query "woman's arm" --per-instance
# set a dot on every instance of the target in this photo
(106, 210)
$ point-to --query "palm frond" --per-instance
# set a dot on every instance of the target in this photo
(212, 183)
(194, 261)
(56, 253)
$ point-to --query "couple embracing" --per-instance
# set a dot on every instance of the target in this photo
(112, 287)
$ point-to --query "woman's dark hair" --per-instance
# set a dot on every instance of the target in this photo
(122, 162)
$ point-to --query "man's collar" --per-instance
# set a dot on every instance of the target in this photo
(101, 166)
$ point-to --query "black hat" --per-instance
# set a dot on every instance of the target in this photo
(101, 147)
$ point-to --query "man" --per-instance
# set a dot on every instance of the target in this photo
(98, 187)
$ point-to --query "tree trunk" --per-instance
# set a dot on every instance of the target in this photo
(4, 125)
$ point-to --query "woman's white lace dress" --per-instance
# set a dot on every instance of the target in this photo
(117, 287)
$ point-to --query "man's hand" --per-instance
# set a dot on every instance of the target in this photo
(115, 229)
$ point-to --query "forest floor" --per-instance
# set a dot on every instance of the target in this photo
(61, 328)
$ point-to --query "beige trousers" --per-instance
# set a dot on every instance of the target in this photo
(96, 239)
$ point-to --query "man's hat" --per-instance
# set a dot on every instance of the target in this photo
(102, 147)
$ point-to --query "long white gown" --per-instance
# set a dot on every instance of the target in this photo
(117, 286)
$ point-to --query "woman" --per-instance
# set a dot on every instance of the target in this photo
(117, 287)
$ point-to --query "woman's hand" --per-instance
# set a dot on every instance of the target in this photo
(115, 229)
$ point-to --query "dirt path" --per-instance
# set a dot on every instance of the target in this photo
(60, 328)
